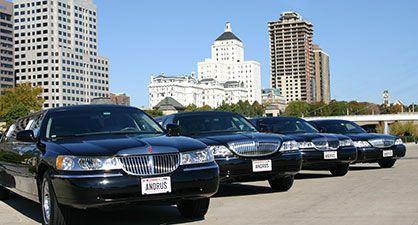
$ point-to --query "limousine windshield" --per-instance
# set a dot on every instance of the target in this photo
(289, 126)
(340, 127)
(97, 122)
(213, 123)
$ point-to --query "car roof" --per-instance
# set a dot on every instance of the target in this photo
(277, 118)
(83, 107)
(329, 120)
(203, 113)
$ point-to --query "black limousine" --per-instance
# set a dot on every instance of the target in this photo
(333, 152)
(92, 156)
(372, 148)
(242, 153)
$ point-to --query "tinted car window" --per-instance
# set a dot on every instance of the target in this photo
(340, 127)
(212, 123)
(100, 121)
(289, 126)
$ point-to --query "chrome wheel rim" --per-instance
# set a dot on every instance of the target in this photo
(46, 203)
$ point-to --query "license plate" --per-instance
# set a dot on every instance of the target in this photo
(156, 185)
(387, 153)
(330, 155)
(262, 165)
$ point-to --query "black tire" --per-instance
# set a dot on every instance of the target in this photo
(387, 163)
(281, 184)
(59, 215)
(194, 208)
(340, 170)
(4, 193)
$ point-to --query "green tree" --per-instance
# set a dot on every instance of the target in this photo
(20, 101)
(297, 109)
(154, 112)
(191, 108)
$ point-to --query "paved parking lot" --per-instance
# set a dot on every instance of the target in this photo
(367, 195)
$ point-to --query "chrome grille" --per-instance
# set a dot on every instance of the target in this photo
(150, 164)
(254, 148)
(382, 143)
(326, 145)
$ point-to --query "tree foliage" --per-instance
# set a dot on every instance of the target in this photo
(154, 112)
(20, 101)
(241, 107)
(334, 108)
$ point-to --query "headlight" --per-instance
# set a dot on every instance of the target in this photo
(361, 144)
(74, 163)
(304, 145)
(289, 146)
(220, 151)
(196, 157)
(398, 141)
(346, 143)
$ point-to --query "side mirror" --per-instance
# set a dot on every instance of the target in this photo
(25, 136)
(263, 128)
(173, 129)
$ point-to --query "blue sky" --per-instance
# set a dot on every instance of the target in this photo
(373, 45)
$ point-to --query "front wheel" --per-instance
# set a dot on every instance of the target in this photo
(281, 183)
(340, 170)
(4, 193)
(387, 163)
(194, 208)
(52, 212)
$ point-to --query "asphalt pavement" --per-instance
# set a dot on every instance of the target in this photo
(366, 195)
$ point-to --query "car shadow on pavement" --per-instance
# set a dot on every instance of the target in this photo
(123, 215)
(358, 168)
(303, 176)
(26, 207)
(241, 189)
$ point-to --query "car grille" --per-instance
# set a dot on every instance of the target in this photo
(382, 143)
(326, 145)
(254, 148)
(150, 164)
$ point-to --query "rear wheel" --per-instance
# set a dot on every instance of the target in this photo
(194, 208)
(340, 170)
(281, 183)
(387, 163)
(52, 212)
(4, 193)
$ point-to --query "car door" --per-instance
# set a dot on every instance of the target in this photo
(23, 158)
(6, 159)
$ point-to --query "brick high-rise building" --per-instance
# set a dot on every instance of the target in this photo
(322, 75)
(56, 45)
(291, 57)
(7, 75)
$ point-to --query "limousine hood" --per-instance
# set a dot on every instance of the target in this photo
(301, 137)
(369, 136)
(225, 138)
(127, 145)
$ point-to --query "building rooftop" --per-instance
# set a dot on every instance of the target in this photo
(227, 35)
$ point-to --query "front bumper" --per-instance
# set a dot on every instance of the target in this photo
(372, 154)
(315, 158)
(191, 182)
(238, 169)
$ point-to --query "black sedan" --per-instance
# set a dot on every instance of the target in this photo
(92, 156)
(242, 153)
(333, 152)
(381, 148)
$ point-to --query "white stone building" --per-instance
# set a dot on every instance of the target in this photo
(225, 77)
(56, 48)
(227, 64)
(189, 90)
